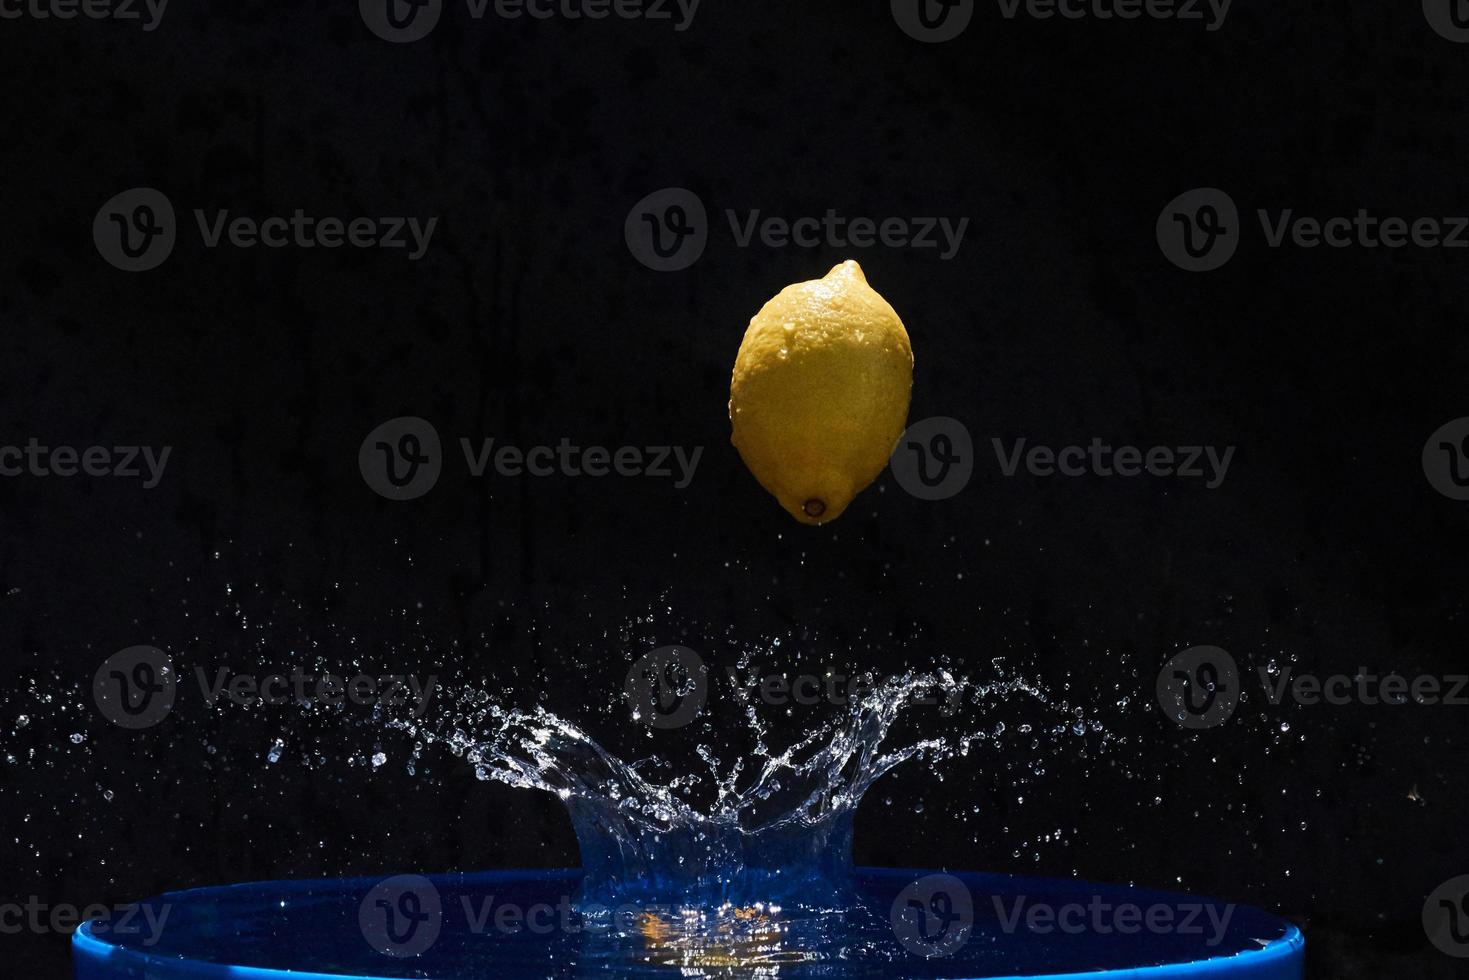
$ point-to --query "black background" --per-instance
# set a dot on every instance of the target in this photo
(529, 320)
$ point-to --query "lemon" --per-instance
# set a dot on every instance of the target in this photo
(820, 392)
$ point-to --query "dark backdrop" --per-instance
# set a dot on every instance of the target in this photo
(529, 320)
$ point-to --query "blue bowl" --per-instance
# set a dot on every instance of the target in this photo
(524, 924)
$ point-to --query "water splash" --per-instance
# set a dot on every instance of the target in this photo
(774, 825)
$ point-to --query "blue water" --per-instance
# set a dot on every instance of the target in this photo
(515, 925)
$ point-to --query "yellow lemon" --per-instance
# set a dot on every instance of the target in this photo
(820, 392)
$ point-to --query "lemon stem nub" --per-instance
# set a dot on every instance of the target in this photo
(814, 507)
